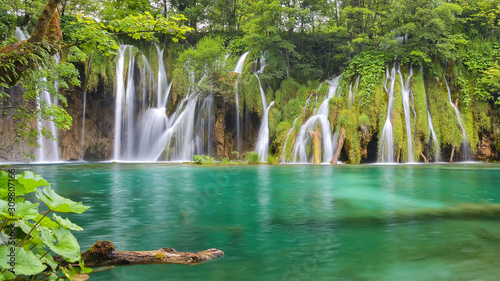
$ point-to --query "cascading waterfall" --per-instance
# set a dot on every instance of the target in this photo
(238, 69)
(386, 146)
(465, 142)
(319, 118)
(262, 146)
(429, 121)
(283, 151)
(405, 94)
(130, 117)
(204, 127)
(183, 139)
(153, 123)
(145, 132)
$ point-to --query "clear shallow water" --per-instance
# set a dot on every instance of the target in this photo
(291, 222)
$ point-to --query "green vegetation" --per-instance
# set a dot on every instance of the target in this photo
(203, 160)
(303, 43)
(39, 234)
(252, 157)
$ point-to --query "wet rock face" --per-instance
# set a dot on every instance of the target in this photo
(99, 128)
(485, 150)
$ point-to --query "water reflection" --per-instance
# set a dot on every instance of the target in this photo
(291, 222)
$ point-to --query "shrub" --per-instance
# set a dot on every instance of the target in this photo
(272, 160)
(203, 159)
(252, 157)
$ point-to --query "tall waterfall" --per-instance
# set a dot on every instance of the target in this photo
(386, 145)
(465, 142)
(153, 122)
(318, 121)
(48, 150)
(435, 141)
(238, 69)
(119, 102)
(262, 146)
(405, 94)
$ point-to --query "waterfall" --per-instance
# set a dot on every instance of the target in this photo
(48, 148)
(320, 118)
(429, 121)
(386, 146)
(262, 146)
(153, 122)
(204, 127)
(119, 102)
(283, 151)
(465, 143)
(405, 94)
(238, 69)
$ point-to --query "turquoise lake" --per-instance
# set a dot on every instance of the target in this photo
(291, 222)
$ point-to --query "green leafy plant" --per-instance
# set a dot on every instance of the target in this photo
(252, 157)
(203, 159)
(28, 235)
(272, 160)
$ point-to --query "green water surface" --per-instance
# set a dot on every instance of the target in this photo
(291, 222)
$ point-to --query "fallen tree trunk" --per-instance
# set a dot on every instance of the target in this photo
(103, 253)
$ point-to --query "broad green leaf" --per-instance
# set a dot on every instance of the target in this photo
(26, 262)
(46, 222)
(7, 275)
(26, 210)
(26, 227)
(61, 241)
(4, 239)
(66, 223)
(4, 183)
(57, 203)
(30, 181)
(49, 260)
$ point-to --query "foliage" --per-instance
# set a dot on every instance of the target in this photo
(200, 68)
(39, 233)
(203, 159)
(369, 65)
(272, 160)
(252, 157)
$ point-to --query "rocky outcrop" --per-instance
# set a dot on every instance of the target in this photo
(99, 127)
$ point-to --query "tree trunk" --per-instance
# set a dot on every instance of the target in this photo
(29, 54)
(103, 253)
(340, 144)
(316, 140)
(425, 158)
(452, 153)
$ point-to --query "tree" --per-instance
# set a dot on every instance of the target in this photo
(25, 61)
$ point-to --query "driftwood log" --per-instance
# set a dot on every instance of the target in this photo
(103, 253)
